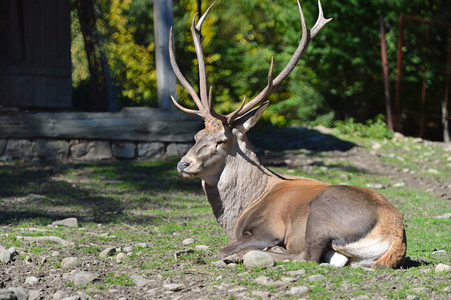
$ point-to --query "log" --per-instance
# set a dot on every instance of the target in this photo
(132, 124)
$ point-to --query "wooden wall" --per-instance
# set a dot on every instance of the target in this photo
(35, 59)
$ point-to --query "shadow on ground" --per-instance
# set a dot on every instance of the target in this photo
(297, 137)
(99, 192)
(108, 191)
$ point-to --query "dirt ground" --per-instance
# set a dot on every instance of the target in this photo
(205, 283)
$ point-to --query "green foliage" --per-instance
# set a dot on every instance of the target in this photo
(339, 75)
(376, 128)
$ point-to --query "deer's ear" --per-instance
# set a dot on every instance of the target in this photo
(247, 121)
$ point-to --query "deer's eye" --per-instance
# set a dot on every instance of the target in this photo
(219, 142)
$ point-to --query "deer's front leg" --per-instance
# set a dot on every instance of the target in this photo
(249, 242)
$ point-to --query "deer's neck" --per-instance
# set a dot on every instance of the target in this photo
(243, 181)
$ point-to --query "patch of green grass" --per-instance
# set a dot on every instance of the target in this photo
(118, 279)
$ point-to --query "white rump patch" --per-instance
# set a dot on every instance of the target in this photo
(364, 252)
(336, 259)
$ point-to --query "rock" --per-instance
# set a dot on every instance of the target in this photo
(15, 293)
(47, 150)
(69, 222)
(73, 298)
(201, 247)
(108, 252)
(234, 258)
(173, 287)
(177, 149)
(83, 278)
(264, 280)
(288, 279)
(56, 253)
(439, 252)
(148, 150)
(298, 291)
(128, 249)
(412, 297)
(60, 295)
(5, 255)
(420, 290)
(71, 262)
(139, 280)
(444, 216)
(121, 256)
(317, 277)
(188, 241)
(258, 259)
(31, 280)
(90, 150)
(299, 272)
(124, 150)
(442, 268)
(34, 295)
(232, 266)
(219, 264)
(261, 294)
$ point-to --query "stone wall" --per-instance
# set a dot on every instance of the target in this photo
(132, 134)
(85, 150)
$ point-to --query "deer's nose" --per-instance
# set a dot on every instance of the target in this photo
(183, 165)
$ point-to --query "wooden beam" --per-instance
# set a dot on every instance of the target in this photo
(133, 124)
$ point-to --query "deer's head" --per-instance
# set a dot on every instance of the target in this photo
(223, 134)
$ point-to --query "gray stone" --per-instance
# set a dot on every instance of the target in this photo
(108, 252)
(444, 216)
(439, 252)
(288, 279)
(19, 149)
(298, 291)
(5, 255)
(201, 247)
(173, 287)
(264, 280)
(31, 280)
(60, 295)
(258, 259)
(69, 222)
(83, 278)
(90, 150)
(442, 268)
(177, 149)
(261, 294)
(317, 277)
(148, 150)
(47, 150)
(219, 264)
(299, 272)
(15, 293)
(72, 298)
(188, 241)
(71, 262)
(34, 295)
(139, 280)
(121, 256)
(124, 150)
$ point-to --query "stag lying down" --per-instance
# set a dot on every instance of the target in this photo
(258, 209)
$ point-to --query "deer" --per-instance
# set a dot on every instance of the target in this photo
(259, 209)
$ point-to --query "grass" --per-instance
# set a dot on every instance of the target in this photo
(148, 206)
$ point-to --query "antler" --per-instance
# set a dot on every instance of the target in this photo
(205, 106)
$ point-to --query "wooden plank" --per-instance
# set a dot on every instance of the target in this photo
(150, 125)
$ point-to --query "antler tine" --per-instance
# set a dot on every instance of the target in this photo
(320, 22)
(183, 81)
(196, 31)
(307, 36)
(212, 112)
